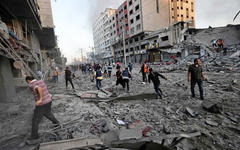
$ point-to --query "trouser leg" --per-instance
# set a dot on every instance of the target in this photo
(97, 84)
(158, 90)
(100, 84)
(70, 80)
(192, 88)
(127, 82)
(122, 82)
(37, 117)
(66, 83)
(143, 76)
(117, 82)
(48, 113)
(200, 85)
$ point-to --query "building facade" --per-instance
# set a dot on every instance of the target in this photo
(142, 17)
(27, 43)
(101, 34)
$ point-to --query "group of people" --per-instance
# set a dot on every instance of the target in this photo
(123, 77)
(43, 99)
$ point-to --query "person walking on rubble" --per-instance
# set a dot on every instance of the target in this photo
(126, 75)
(119, 77)
(144, 70)
(68, 77)
(154, 77)
(43, 104)
(109, 70)
(99, 77)
(195, 75)
(130, 67)
(55, 75)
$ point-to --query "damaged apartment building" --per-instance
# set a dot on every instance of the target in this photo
(27, 43)
(139, 22)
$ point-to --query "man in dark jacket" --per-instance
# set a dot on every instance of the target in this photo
(99, 77)
(195, 74)
(119, 77)
(68, 77)
(109, 70)
(156, 82)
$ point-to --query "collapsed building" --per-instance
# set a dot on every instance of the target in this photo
(181, 42)
(27, 43)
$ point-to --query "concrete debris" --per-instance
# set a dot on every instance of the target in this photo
(120, 122)
(212, 107)
(126, 134)
(211, 122)
(191, 112)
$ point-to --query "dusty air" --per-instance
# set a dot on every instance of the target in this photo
(119, 75)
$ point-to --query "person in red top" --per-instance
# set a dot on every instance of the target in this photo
(144, 70)
(43, 104)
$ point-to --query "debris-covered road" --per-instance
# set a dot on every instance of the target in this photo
(88, 113)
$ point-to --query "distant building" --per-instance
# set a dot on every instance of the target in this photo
(101, 34)
(138, 18)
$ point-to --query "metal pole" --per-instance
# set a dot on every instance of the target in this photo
(124, 46)
(82, 55)
(124, 49)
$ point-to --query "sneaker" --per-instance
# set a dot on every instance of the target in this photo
(160, 97)
(202, 98)
(33, 141)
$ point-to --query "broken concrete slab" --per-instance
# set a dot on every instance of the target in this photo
(212, 107)
(211, 122)
(126, 134)
(190, 112)
(68, 144)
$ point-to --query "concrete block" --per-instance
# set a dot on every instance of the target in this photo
(68, 144)
(126, 134)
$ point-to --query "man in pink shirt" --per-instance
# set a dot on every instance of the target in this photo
(43, 104)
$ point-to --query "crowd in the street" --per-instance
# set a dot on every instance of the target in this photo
(123, 77)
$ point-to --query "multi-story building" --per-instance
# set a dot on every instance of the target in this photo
(27, 42)
(144, 17)
(101, 34)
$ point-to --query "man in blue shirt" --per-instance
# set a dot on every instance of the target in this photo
(126, 75)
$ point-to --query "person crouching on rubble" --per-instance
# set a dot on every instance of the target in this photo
(195, 74)
(99, 77)
(153, 75)
(43, 102)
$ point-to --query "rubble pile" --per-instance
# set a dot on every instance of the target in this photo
(216, 118)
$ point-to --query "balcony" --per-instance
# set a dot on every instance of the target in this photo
(125, 12)
(125, 3)
(24, 9)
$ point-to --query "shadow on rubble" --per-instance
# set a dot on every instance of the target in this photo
(127, 146)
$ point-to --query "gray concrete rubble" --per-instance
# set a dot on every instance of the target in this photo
(112, 117)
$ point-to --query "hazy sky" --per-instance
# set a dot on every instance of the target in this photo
(73, 20)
